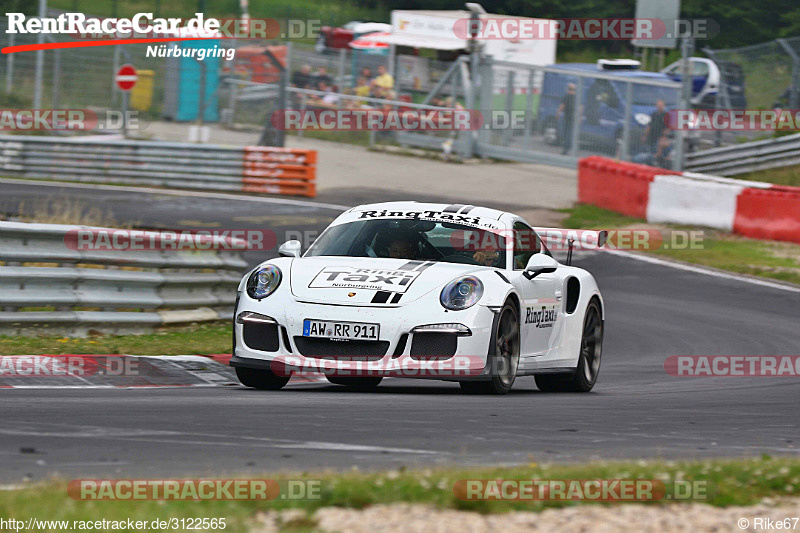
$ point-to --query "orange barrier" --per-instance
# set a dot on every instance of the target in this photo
(272, 170)
(616, 185)
(769, 213)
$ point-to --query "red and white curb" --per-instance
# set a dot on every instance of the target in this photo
(749, 208)
(122, 371)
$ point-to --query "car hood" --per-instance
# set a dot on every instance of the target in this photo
(364, 281)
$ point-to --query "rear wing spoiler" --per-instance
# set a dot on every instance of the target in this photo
(567, 239)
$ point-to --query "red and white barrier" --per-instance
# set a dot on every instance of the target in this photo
(753, 209)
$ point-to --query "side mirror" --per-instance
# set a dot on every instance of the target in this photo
(540, 264)
(290, 249)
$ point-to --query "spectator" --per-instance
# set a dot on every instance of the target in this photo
(655, 129)
(661, 156)
(362, 88)
(302, 79)
(566, 112)
(322, 77)
(383, 83)
(366, 73)
(330, 98)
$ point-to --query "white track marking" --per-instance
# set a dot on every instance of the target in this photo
(174, 192)
(701, 270)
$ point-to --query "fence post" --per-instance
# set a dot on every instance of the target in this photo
(10, 65)
(687, 48)
(795, 87)
(37, 90)
(486, 104)
(626, 126)
(529, 108)
(577, 114)
(509, 106)
(56, 77)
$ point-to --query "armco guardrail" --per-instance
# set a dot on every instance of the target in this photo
(747, 157)
(53, 276)
(750, 208)
(259, 169)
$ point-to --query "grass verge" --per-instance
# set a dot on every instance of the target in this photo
(724, 482)
(779, 176)
(725, 251)
(200, 339)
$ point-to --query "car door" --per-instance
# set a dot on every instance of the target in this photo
(540, 308)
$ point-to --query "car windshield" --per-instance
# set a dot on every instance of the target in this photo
(648, 94)
(422, 240)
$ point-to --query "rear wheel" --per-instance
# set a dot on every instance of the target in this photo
(362, 383)
(261, 378)
(503, 358)
(585, 375)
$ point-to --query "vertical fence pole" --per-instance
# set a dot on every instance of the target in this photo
(37, 90)
(626, 125)
(10, 65)
(340, 71)
(794, 89)
(56, 77)
(687, 47)
(577, 114)
(509, 106)
(529, 108)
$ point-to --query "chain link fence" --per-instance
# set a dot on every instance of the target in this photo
(550, 115)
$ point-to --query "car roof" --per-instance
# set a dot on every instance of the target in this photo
(411, 205)
(592, 67)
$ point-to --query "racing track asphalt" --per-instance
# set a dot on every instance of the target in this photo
(636, 410)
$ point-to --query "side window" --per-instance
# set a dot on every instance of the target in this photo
(699, 68)
(526, 243)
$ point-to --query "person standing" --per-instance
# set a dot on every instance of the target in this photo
(655, 129)
(566, 113)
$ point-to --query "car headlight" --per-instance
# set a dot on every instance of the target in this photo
(263, 281)
(461, 293)
(642, 119)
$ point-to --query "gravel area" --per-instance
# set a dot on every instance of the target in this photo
(407, 518)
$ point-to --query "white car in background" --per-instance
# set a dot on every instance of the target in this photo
(409, 289)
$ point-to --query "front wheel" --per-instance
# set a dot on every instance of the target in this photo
(262, 379)
(585, 375)
(503, 356)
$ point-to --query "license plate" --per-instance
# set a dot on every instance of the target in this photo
(340, 330)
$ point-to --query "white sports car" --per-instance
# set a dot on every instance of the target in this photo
(408, 289)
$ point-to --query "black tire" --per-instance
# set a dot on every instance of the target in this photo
(503, 356)
(362, 383)
(262, 379)
(585, 375)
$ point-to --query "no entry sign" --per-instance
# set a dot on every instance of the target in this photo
(126, 77)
